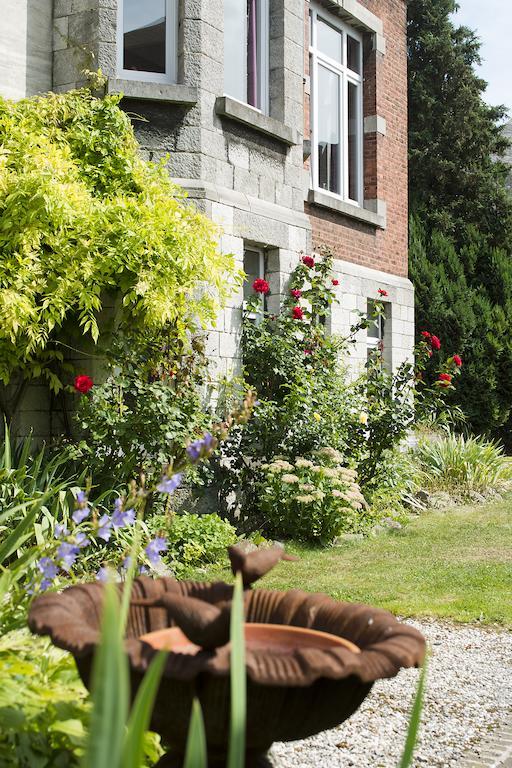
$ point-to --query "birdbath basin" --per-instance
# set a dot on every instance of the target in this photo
(310, 660)
(270, 638)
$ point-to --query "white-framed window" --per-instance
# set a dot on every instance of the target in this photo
(336, 68)
(246, 52)
(375, 338)
(147, 40)
(254, 268)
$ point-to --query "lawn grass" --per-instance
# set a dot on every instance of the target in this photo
(454, 564)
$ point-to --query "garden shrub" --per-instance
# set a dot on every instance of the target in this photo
(459, 464)
(312, 500)
(305, 399)
(28, 472)
(465, 294)
(147, 408)
(86, 222)
(194, 541)
(44, 708)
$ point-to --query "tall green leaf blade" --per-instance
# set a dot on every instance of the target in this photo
(140, 715)
(25, 452)
(414, 723)
(10, 511)
(110, 691)
(18, 536)
(7, 448)
(196, 756)
(5, 584)
(236, 756)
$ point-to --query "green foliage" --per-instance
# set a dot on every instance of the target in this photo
(112, 742)
(461, 231)
(464, 295)
(238, 675)
(44, 707)
(147, 408)
(457, 180)
(196, 755)
(415, 719)
(28, 472)
(43, 704)
(393, 486)
(294, 365)
(85, 223)
(194, 540)
(461, 464)
(311, 500)
(306, 401)
(35, 492)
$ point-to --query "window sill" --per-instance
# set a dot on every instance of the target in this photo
(247, 115)
(167, 92)
(324, 200)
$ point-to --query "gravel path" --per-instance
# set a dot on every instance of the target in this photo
(469, 693)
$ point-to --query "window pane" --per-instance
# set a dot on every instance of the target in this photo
(329, 41)
(328, 106)
(144, 35)
(353, 142)
(252, 268)
(373, 329)
(354, 55)
(376, 328)
(235, 49)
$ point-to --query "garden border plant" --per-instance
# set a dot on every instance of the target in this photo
(88, 225)
(305, 401)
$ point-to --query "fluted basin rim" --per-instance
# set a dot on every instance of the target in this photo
(72, 620)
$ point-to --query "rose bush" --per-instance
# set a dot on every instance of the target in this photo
(305, 399)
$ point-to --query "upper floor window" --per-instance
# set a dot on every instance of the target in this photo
(246, 51)
(147, 40)
(336, 56)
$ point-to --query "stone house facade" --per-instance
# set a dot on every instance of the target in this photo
(285, 121)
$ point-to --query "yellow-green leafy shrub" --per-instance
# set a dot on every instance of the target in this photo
(83, 216)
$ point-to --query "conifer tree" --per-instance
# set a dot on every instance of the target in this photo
(461, 227)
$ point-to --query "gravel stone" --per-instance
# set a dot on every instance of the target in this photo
(469, 694)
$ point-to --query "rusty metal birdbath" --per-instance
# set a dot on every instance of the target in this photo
(311, 660)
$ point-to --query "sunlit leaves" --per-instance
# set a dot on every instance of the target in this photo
(83, 217)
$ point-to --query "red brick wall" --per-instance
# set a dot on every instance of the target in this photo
(385, 157)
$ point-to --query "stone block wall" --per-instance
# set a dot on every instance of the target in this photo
(25, 48)
(357, 285)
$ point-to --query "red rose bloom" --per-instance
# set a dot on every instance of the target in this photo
(308, 261)
(382, 292)
(296, 293)
(457, 360)
(83, 384)
(261, 286)
(445, 379)
(297, 313)
(335, 282)
(426, 335)
(436, 344)
(308, 351)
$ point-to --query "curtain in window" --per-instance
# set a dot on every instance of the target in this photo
(252, 53)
